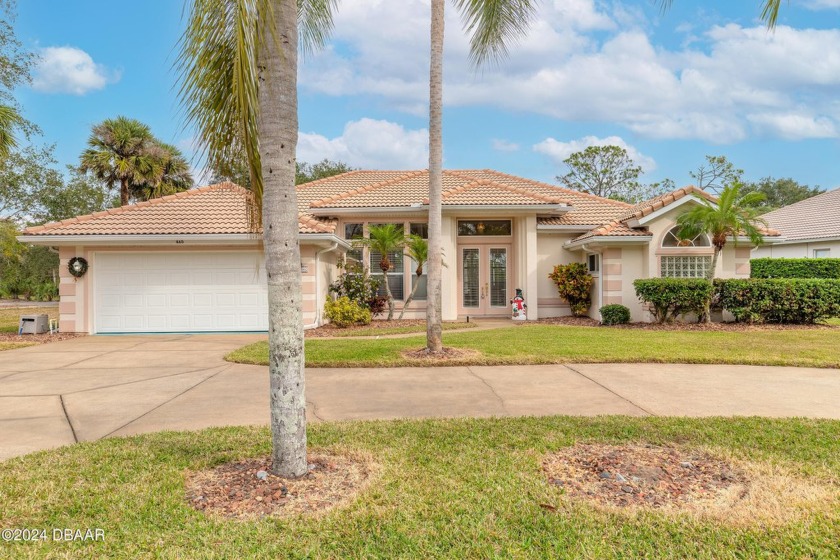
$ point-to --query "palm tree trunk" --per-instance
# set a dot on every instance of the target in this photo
(388, 293)
(710, 276)
(434, 342)
(278, 131)
(123, 191)
(414, 287)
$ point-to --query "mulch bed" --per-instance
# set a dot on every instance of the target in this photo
(247, 489)
(329, 329)
(725, 327)
(643, 476)
(38, 338)
(448, 355)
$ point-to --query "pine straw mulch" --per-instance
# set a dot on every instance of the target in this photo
(42, 338)
(329, 329)
(452, 356)
(680, 326)
(247, 489)
(638, 478)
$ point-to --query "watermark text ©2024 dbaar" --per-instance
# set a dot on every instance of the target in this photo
(54, 534)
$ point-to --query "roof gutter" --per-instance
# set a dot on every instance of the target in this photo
(170, 239)
(424, 209)
(609, 240)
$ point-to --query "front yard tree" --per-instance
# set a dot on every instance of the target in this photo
(780, 192)
(385, 240)
(15, 66)
(238, 62)
(418, 251)
(175, 175)
(715, 173)
(492, 24)
(121, 152)
(606, 171)
(734, 215)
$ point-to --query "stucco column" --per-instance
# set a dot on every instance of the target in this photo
(530, 272)
(449, 296)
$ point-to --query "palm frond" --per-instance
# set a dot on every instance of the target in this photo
(315, 23)
(9, 120)
(770, 12)
(493, 24)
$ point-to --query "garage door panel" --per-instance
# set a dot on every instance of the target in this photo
(182, 291)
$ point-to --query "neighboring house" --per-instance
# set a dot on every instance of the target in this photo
(187, 262)
(811, 228)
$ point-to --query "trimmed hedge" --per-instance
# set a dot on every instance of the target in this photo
(672, 297)
(614, 314)
(795, 268)
(343, 312)
(780, 300)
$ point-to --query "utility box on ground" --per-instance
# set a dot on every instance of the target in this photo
(34, 324)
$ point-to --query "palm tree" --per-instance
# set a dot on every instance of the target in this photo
(175, 174)
(492, 24)
(734, 215)
(120, 152)
(238, 73)
(384, 240)
(9, 119)
(418, 251)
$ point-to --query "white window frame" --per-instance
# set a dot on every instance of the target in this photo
(825, 256)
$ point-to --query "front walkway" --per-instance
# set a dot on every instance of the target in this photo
(99, 386)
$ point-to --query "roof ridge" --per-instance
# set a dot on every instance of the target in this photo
(651, 205)
(560, 188)
(224, 185)
(482, 182)
(322, 203)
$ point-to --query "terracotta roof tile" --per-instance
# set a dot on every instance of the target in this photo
(214, 209)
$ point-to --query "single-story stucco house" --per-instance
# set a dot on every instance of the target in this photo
(811, 228)
(187, 262)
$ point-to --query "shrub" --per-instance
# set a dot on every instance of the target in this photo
(672, 297)
(794, 268)
(355, 283)
(614, 314)
(574, 284)
(780, 300)
(377, 305)
(344, 312)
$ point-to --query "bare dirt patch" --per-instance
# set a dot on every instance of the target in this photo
(448, 356)
(247, 489)
(42, 338)
(636, 478)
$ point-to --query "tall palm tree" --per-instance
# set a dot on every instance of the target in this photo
(238, 74)
(385, 240)
(492, 24)
(120, 152)
(417, 249)
(733, 216)
(9, 120)
(175, 174)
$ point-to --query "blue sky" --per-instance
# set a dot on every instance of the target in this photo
(704, 78)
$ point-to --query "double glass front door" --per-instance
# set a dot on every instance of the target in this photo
(484, 279)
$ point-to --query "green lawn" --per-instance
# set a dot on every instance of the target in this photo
(446, 489)
(386, 330)
(543, 344)
(10, 316)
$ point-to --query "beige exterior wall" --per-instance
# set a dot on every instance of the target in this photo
(797, 250)
(76, 294)
(550, 253)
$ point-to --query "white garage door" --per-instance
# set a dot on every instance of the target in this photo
(179, 292)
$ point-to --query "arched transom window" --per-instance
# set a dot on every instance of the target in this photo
(672, 239)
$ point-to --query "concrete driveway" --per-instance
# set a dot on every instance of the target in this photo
(99, 386)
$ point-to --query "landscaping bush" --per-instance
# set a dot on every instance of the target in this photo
(614, 314)
(780, 300)
(672, 297)
(344, 312)
(795, 268)
(574, 284)
(356, 284)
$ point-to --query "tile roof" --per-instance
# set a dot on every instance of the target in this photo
(650, 206)
(215, 209)
(817, 217)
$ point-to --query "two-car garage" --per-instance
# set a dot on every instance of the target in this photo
(179, 291)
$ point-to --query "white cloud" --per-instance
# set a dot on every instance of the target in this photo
(589, 61)
(70, 70)
(369, 144)
(794, 126)
(504, 145)
(559, 151)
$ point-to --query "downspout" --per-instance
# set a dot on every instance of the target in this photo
(318, 306)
